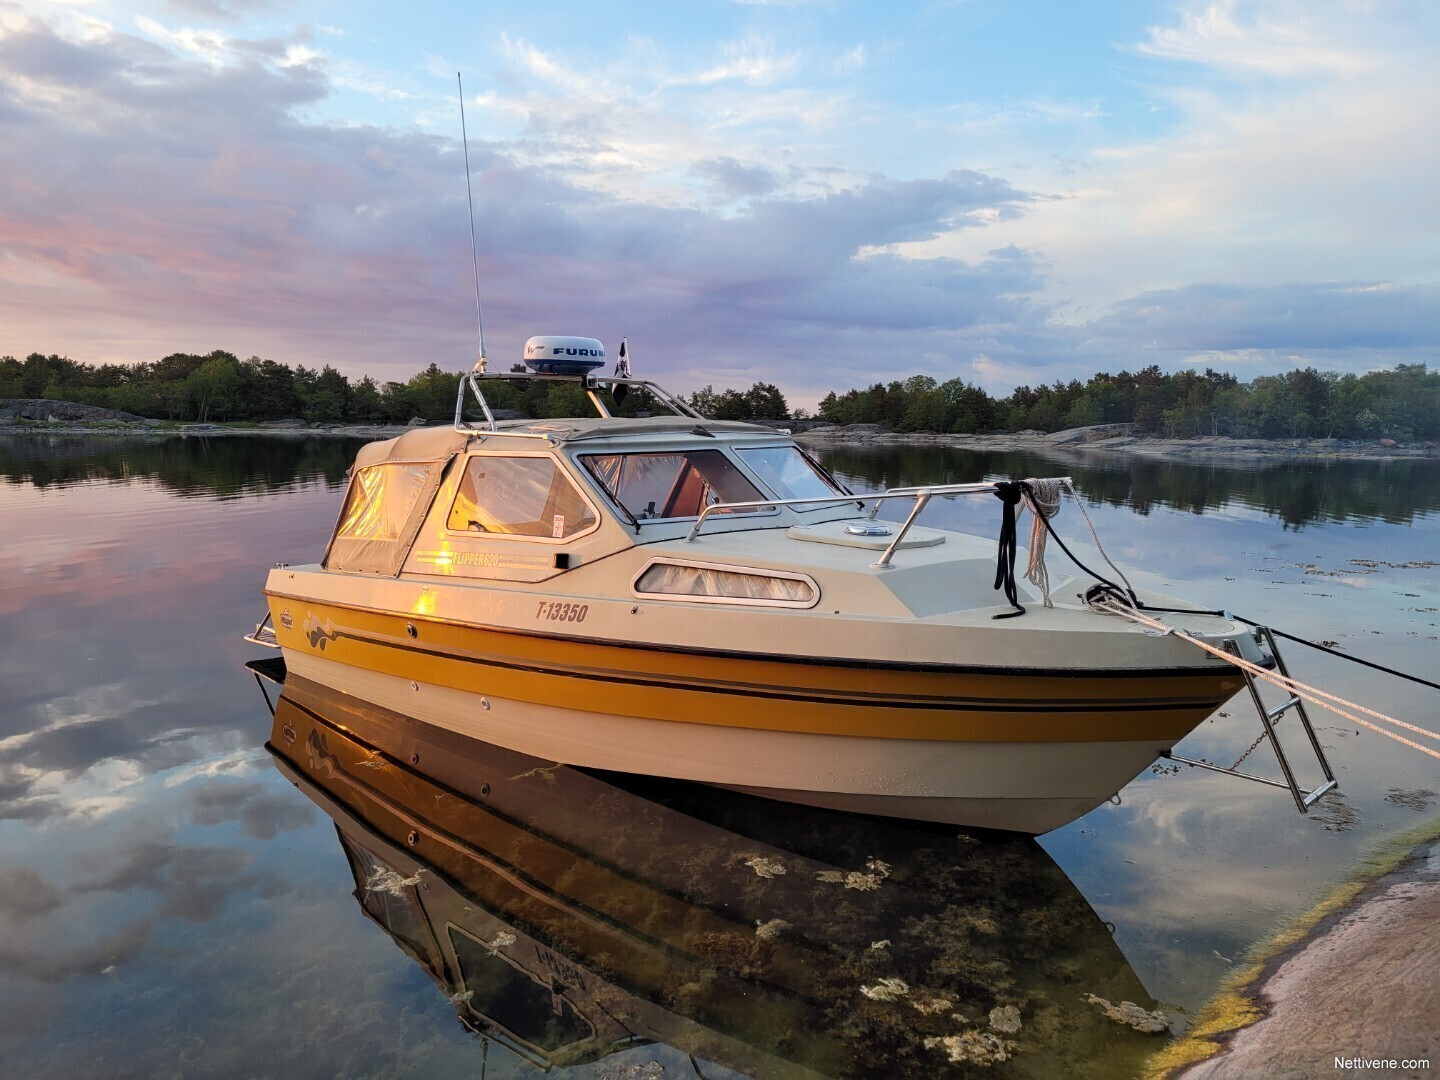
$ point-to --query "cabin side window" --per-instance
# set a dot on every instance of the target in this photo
(712, 583)
(518, 496)
(670, 483)
(380, 500)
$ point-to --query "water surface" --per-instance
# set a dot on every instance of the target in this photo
(174, 905)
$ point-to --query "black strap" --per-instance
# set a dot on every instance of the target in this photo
(1009, 493)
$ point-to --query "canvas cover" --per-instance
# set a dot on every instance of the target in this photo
(392, 485)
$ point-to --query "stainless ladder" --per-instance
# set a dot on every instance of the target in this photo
(1269, 717)
(264, 633)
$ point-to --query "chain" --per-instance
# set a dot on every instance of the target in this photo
(1258, 740)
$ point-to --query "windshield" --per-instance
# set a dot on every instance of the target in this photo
(671, 483)
(787, 472)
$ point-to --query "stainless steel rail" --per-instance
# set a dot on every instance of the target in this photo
(921, 495)
(589, 383)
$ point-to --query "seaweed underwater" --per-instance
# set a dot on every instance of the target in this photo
(761, 936)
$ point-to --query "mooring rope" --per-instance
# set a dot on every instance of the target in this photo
(1096, 537)
(1042, 497)
(1109, 598)
(1315, 696)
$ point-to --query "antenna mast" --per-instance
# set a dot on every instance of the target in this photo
(470, 202)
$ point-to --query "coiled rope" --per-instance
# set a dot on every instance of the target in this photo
(1042, 497)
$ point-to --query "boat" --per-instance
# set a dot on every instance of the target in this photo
(675, 596)
(572, 916)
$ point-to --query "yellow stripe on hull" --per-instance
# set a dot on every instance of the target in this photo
(888, 702)
(1027, 787)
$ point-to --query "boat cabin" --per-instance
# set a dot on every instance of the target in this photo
(531, 499)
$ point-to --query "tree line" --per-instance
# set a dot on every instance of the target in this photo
(1402, 403)
(219, 387)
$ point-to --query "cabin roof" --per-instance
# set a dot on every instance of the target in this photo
(586, 429)
(419, 444)
(441, 443)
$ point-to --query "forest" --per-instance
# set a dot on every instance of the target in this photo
(1402, 403)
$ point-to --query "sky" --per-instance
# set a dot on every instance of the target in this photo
(820, 194)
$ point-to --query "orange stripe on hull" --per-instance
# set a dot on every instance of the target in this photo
(891, 702)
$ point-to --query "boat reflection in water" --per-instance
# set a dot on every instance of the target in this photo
(570, 915)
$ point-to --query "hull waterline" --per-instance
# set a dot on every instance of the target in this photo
(1021, 753)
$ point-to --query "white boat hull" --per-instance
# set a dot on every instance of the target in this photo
(1022, 786)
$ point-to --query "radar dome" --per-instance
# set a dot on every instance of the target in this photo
(552, 354)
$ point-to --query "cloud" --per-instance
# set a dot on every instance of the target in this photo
(1278, 39)
(196, 195)
(735, 180)
(262, 816)
(19, 802)
(751, 60)
(188, 882)
(206, 207)
(65, 961)
(1375, 316)
(24, 894)
(193, 882)
(229, 10)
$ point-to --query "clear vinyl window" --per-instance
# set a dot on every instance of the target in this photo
(670, 483)
(380, 500)
(787, 472)
(518, 496)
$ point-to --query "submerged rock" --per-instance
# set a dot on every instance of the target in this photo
(934, 1005)
(766, 867)
(1005, 1019)
(769, 931)
(1132, 1015)
(972, 1047)
(887, 990)
(651, 1070)
(856, 879)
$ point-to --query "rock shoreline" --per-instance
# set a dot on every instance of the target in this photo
(1094, 443)
(1358, 980)
(25, 417)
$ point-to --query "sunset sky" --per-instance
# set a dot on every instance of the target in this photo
(815, 194)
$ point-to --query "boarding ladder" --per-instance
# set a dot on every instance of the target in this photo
(1269, 718)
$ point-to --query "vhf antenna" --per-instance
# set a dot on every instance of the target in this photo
(470, 202)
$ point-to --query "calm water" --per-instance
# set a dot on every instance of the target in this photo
(178, 901)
